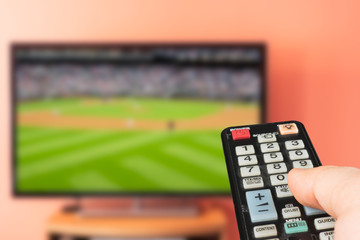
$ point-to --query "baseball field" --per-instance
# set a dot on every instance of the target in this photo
(124, 144)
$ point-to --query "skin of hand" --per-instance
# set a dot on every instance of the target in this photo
(335, 190)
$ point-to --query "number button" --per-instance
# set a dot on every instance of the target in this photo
(250, 171)
(280, 179)
(266, 137)
(247, 160)
(244, 150)
(276, 168)
(270, 147)
(273, 157)
(298, 154)
(294, 144)
(303, 164)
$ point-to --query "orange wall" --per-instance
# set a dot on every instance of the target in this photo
(314, 71)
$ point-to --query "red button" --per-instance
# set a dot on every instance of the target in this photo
(240, 134)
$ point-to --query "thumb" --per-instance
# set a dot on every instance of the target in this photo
(335, 190)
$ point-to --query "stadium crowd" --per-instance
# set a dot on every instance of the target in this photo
(37, 81)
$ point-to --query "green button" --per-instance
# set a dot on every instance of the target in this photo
(295, 227)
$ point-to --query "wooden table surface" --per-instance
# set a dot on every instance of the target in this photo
(208, 222)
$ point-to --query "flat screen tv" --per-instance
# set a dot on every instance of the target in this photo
(130, 119)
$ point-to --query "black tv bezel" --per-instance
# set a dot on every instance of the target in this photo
(13, 102)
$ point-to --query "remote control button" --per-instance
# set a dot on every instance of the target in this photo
(290, 212)
(270, 147)
(250, 171)
(298, 154)
(266, 137)
(261, 206)
(247, 160)
(265, 231)
(312, 211)
(273, 157)
(283, 191)
(295, 227)
(288, 128)
(253, 182)
(276, 168)
(303, 164)
(244, 150)
(279, 179)
(240, 134)
(324, 223)
(329, 235)
(294, 144)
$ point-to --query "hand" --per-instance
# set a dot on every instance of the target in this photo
(336, 190)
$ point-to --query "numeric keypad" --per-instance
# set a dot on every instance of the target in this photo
(263, 160)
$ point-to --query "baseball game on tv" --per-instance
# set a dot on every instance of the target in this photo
(130, 119)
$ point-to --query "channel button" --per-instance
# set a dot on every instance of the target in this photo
(261, 206)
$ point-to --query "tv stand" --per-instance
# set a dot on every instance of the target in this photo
(135, 207)
(209, 224)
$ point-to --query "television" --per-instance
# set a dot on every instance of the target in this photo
(130, 118)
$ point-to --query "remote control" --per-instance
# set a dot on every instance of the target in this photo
(258, 158)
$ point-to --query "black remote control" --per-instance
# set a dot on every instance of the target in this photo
(258, 158)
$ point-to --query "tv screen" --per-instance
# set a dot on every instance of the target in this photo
(130, 119)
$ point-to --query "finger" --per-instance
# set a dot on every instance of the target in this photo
(346, 227)
(332, 189)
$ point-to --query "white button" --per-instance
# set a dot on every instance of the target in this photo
(273, 157)
(265, 231)
(294, 144)
(250, 171)
(283, 191)
(270, 147)
(276, 168)
(303, 164)
(279, 179)
(298, 154)
(291, 212)
(329, 235)
(247, 160)
(324, 223)
(245, 150)
(266, 137)
(253, 182)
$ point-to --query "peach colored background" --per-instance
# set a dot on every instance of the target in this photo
(314, 72)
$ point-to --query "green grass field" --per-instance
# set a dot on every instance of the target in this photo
(76, 160)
